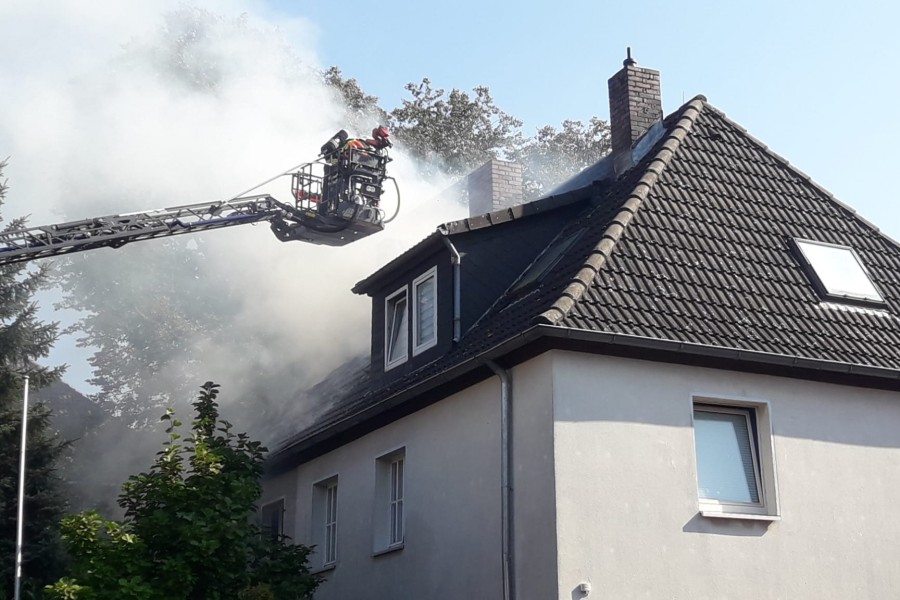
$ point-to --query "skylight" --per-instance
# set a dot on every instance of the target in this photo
(837, 272)
(545, 263)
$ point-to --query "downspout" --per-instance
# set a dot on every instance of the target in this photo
(506, 502)
(455, 260)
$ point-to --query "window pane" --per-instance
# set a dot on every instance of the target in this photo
(546, 261)
(725, 463)
(839, 270)
(396, 523)
(397, 328)
(272, 514)
(425, 311)
(331, 524)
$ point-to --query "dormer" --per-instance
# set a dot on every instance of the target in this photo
(425, 300)
(412, 308)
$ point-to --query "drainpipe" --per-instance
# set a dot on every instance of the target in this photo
(455, 260)
(506, 502)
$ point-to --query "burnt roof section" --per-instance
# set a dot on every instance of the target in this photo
(689, 251)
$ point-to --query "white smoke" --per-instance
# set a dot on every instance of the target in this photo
(113, 107)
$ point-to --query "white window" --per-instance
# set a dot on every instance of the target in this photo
(837, 272)
(396, 329)
(425, 311)
(735, 464)
(325, 520)
(389, 501)
(272, 519)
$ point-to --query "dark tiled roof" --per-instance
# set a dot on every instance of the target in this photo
(690, 246)
(706, 259)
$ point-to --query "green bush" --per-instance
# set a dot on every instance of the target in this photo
(187, 532)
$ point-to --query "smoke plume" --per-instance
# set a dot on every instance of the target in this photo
(113, 107)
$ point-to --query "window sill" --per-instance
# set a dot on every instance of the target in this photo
(734, 515)
(395, 364)
(389, 550)
(323, 569)
(417, 350)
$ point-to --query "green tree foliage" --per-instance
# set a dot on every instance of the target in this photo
(141, 321)
(359, 105)
(458, 130)
(553, 155)
(187, 531)
(23, 340)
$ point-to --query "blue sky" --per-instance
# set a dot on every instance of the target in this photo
(815, 81)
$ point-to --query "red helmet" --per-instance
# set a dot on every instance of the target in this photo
(380, 133)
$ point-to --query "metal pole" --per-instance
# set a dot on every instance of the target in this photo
(21, 507)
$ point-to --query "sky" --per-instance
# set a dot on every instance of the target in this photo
(814, 81)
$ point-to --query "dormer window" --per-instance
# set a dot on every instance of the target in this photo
(837, 273)
(424, 311)
(410, 317)
(396, 329)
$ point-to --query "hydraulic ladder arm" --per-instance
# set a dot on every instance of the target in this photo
(335, 202)
(114, 231)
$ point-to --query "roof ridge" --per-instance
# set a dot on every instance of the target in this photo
(601, 252)
(802, 174)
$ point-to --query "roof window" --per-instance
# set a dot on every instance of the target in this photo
(837, 273)
(545, 263)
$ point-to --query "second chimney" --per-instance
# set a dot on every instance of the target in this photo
(635, 104)
(495, 185)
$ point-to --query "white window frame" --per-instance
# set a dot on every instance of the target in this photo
(390, 502)
(763, 452)
(325, 521)
(421, 280)
(873, 297)
(389, 312)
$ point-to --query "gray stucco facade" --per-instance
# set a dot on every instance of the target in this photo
(605, 491)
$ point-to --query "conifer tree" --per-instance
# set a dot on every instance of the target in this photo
(24, 339)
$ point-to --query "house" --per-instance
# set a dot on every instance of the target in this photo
(675, 377)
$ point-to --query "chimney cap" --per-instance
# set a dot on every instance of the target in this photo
(628, 62)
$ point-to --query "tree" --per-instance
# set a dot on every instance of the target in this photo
(359, 105)
(187, 533)
(552, 156)
(455, 129)
(141, 322)
(23, 340)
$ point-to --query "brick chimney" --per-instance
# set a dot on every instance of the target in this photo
(635, 104)
(495, 185)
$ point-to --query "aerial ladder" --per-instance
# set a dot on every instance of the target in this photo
(335, 201)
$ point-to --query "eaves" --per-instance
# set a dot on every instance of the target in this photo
(541, 338)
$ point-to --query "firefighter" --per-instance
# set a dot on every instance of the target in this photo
(380, 139)
(340, 162)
